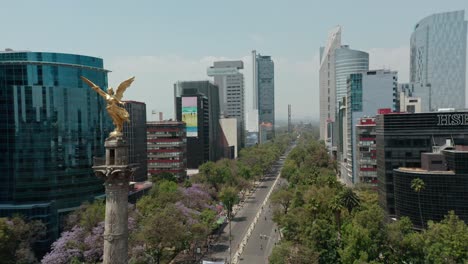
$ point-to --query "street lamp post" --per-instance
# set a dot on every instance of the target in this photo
(230, 237)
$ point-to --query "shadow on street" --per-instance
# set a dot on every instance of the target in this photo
(239, 219)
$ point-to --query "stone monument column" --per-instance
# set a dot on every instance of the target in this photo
(116, 173)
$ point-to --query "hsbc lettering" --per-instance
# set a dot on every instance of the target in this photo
(452, 120)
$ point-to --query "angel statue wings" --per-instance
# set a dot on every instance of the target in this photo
(114, 104)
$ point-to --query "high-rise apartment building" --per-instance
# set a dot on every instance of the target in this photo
(167, 148)
(231, 94)
(366, 151)
(135, 133)
(367, 92)
(52, 125)
(438, 60)
(197, 104)
(327, 90)
(264, 94)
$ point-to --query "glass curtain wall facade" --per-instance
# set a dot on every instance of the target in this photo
(401, 140)
(135, 132)
(348, 61)
(445, 188)
(52, 125)
(207, 143)
(266, 94)
(367, 93)
(438, 60)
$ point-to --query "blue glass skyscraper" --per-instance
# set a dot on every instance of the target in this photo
(348, 61)
(51, 127)
(438, 60)
(265, 84)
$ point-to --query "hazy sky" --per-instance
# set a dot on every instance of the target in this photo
(161, 42)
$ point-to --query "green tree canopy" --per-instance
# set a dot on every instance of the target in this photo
(228, 196)
(447, 241)
(16, 239)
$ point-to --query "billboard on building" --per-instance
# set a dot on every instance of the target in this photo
(190, 115)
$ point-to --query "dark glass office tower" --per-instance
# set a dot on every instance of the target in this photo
(135, 132)
(265, 74)
(402, 138)
(51, 126)
(197, 104)
(444, 172)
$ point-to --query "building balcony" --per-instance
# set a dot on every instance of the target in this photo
(165, 140)
(173, 166)
(164, 161)
(367, 169)
(165, 155)
(166, 144)
(158, 170)
(162, 149)
(368, 162)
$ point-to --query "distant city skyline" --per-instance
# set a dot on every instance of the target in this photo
(162, 43)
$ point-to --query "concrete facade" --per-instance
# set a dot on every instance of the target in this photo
(230, 82)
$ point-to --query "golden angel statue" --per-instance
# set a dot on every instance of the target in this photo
(118, 114)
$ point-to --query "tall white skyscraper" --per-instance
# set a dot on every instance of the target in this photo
(438, 60)
(254, 80)
(327, 90)
(231, 93)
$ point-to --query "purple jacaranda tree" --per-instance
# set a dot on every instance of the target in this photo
(190, 215)
(66, 247)
(196, 197)
(81, 245)
(93, 243)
